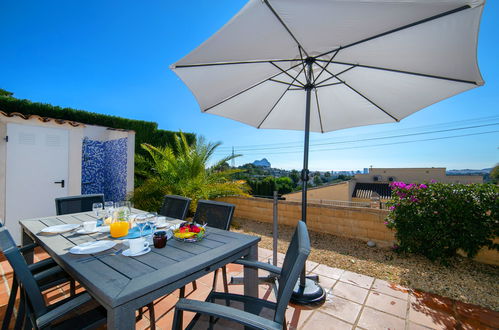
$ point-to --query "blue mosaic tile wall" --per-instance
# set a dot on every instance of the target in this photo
(103, 170)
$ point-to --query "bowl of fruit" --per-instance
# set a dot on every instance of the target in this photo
(189, 232)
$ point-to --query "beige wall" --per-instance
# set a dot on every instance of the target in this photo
(337, 192)
(359, 223)
(74, 165)
(76, 135)
(419, 175)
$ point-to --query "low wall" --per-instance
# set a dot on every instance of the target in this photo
(352, 222)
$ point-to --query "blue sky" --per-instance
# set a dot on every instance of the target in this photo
(112, 57)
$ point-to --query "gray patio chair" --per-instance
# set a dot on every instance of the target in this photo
(220, 308)
(76, 204)
(175, 206)
(37, 314)
(48, 275)
(216, 215)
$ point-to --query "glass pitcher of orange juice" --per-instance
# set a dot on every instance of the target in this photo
(119, 226)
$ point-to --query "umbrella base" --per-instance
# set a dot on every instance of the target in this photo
(311, 294)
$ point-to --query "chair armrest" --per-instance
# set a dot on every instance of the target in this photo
(63, 309)
(28, 247)
(227, 313)
(258, 264)
(45, 263)
(44, 274)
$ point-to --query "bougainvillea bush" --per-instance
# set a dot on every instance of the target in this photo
(437, 219)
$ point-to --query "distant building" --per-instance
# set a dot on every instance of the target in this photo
(262, 163)
(375, 185)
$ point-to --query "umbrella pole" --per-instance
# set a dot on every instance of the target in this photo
(307, 291)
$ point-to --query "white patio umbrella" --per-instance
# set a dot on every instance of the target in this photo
(324, 65)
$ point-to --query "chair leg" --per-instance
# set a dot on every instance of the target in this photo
(224, 278)
(20, 313)
(215, 275)
(152, 317)
(177, 319)
(194, 285)
(72, 288)
(181, 293)
(10, 304)
(141, 314)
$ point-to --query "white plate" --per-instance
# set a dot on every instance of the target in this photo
(59, 229)
(128, 253)
(84, 232)
(92, 247)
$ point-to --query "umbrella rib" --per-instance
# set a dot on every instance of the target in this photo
(333, 75)
(286, 83)
(370, 101)
(284, 25)
(362, 95)
(450, 12)
(247, 89)
(285, 72)
(279, 99)
(183, 66)
(318, 109)
(324, 69)
(332, 84)
(406, 72)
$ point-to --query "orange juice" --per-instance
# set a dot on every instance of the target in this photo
(119, 228)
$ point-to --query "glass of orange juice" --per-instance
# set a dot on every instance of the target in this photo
(119, 226)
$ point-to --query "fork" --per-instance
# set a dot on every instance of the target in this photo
(115, 253)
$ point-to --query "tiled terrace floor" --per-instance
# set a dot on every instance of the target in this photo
(354, 301)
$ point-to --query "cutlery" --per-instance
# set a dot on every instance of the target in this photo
(115, 253)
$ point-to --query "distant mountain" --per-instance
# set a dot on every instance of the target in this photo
(469, 172)
(262, 163)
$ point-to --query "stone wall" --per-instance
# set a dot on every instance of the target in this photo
(352, 222)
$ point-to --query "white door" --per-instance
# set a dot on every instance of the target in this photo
(37, 173)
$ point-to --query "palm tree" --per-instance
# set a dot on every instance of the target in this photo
(182, 170)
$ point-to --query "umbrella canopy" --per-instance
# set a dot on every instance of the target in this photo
(323, 65)
(376, 61)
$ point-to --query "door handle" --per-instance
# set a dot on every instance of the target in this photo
(61, 182)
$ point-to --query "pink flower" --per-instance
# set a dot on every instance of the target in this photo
(423, 186)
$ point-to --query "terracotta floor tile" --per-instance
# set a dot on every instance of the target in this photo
(433, 301)
(387, 304)
(376, 320)
(327, 283)
(350, 292)
(334, 273)
(414, 326)
(164, 305)
(426, 315)
(391, 289)
(321, 320)
(341, 308)
(54, 295)
(296, 316)
(472, 314)
(357, 279)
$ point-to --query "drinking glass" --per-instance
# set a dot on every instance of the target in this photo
(141, 222)
(97, 208)
(151, 223)
(119, 227)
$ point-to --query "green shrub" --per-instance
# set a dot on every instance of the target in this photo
(436, 219)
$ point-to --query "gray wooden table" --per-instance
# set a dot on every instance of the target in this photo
(124, 284)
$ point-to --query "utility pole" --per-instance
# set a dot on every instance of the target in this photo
(233, 160)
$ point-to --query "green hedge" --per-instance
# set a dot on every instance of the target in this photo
(145, 131)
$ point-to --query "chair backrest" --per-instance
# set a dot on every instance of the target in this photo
(216, 214)
(294, 261)
(175, 206)
(75, 204)
(23, 274)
